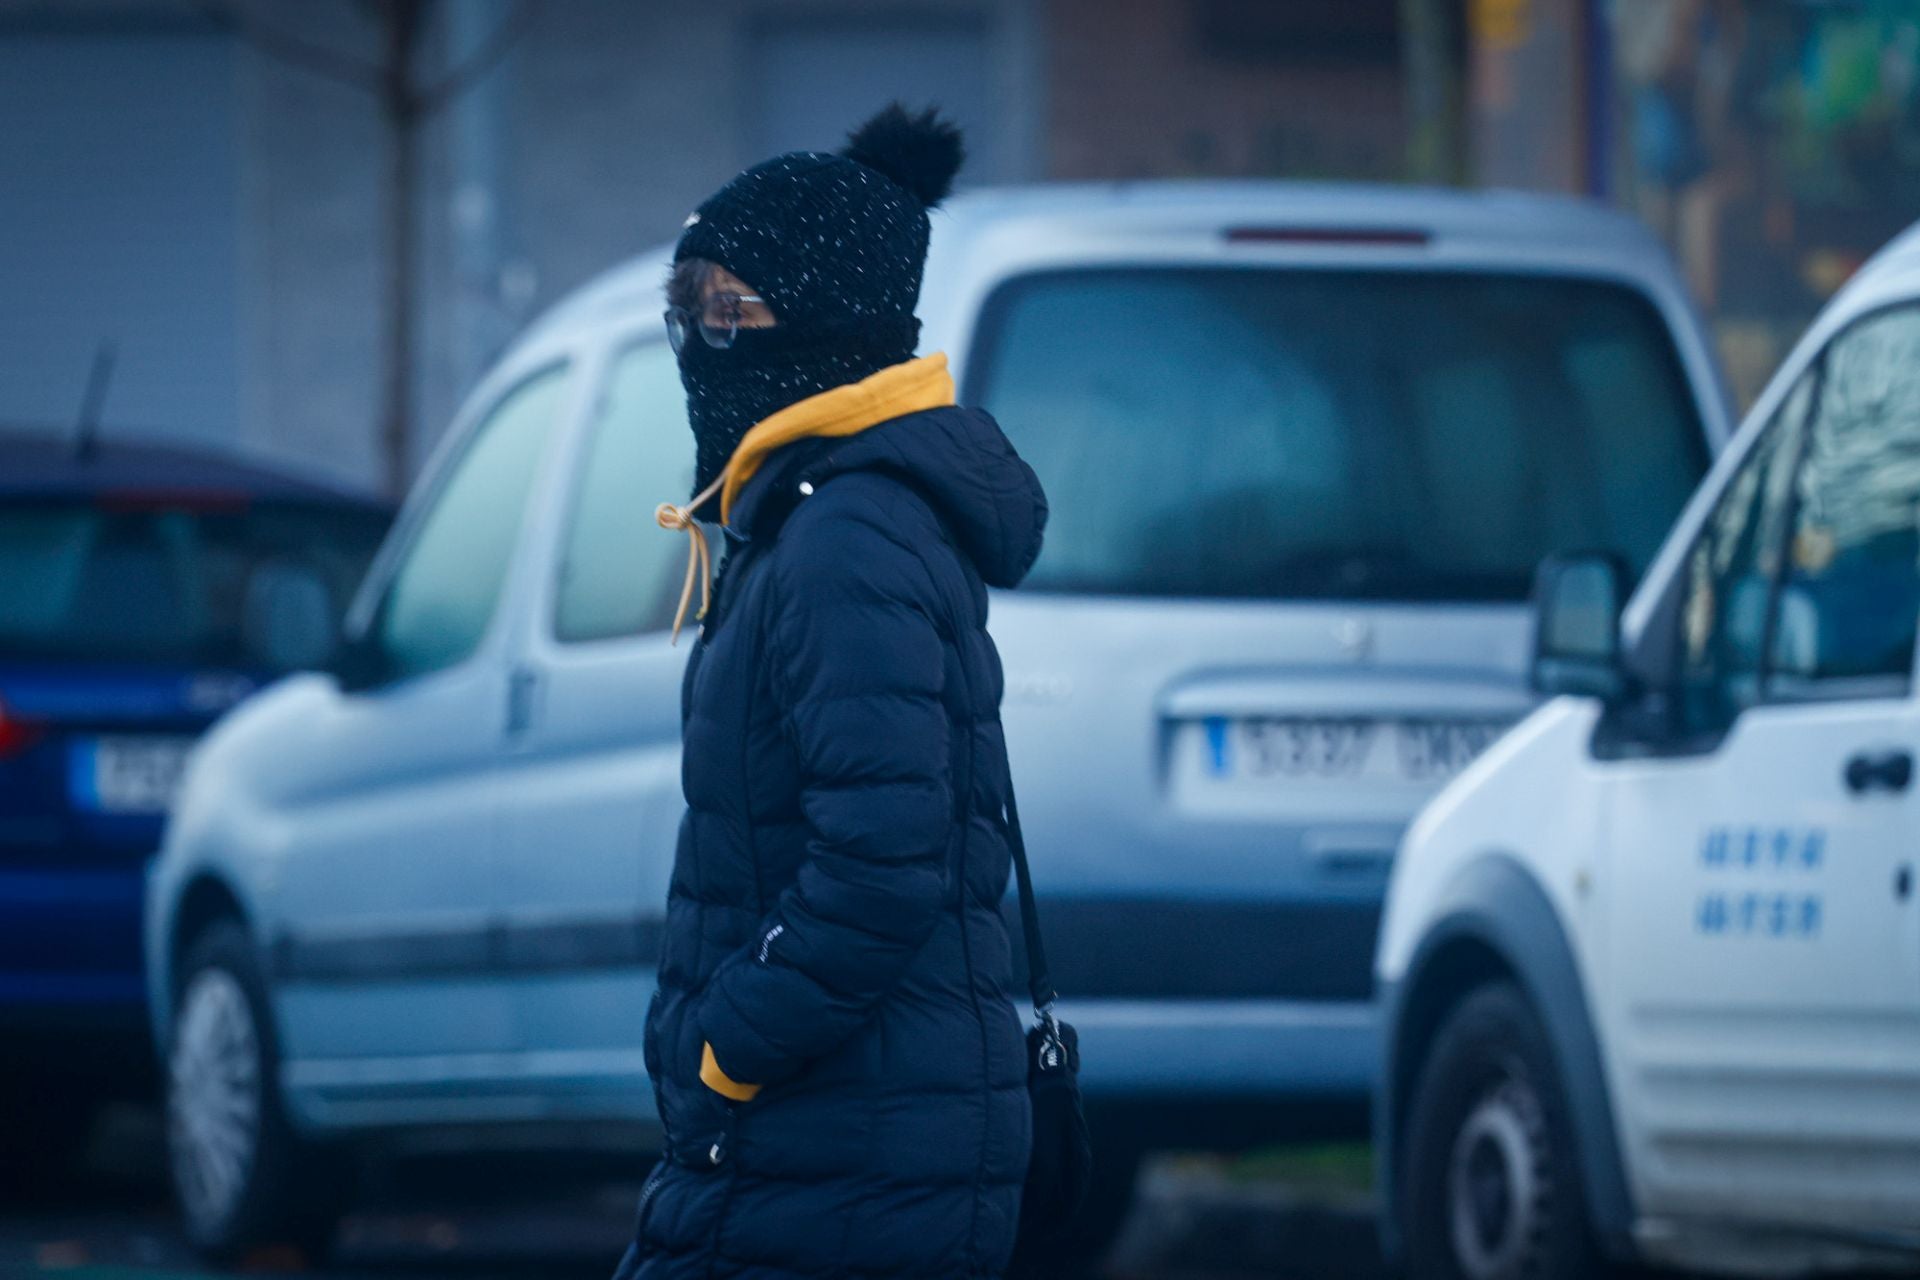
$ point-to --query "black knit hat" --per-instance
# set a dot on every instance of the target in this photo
(835, 242)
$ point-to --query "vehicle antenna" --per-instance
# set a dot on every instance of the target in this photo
(86, 430)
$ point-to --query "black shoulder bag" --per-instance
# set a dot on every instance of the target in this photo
(1062, 1162)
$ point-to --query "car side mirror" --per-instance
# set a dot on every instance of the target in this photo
(1577, 599)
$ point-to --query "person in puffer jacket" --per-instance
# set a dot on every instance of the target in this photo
(836, 1055)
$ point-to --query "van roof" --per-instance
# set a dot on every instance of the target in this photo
(1490, 221)
(1898, 255)
(1176, 206)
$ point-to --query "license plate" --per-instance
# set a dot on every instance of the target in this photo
(128, 774)
(1307, 749)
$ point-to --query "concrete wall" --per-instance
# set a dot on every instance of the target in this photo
(117, 224)
(607, 122)
(1222, 88)
(610, 119)
(1529, 106)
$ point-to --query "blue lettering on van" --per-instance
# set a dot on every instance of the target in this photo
(1218, 747)
(1712, 915)
(1810, 915)
(1761, 849)
(1713, 850)
(1773, 908)
(1761, 915)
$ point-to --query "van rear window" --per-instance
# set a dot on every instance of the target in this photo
(1337, 435)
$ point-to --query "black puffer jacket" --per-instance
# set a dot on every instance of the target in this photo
(833, 928)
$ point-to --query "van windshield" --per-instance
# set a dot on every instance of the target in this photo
(1339, 435)
(176, 583)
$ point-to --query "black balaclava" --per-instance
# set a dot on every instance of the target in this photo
(835, 244)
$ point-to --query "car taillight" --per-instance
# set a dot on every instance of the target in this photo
(16, 735)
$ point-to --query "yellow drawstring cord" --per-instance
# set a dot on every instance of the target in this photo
(842, 411)
(699, 557)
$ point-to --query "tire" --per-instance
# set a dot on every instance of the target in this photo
(243, 1178)
(1491, 1188)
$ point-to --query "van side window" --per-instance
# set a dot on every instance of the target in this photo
(619, 572)
(1850, 596)
(443, 594)
(1729, 575)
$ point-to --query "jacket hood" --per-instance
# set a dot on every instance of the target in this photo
(958, 458)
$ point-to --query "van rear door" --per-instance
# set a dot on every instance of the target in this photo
(1295, 515)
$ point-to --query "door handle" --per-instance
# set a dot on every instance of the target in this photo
(521, 683)
(1879, 771)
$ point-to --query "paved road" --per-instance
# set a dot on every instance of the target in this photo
(521, 1217)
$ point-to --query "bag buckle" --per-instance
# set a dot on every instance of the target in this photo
(1053, 1049)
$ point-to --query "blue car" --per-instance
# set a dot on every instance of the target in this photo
(144, 590)
(1303, 445)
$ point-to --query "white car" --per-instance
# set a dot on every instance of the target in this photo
(1650, 967)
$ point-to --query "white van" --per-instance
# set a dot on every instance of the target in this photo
(1650, 968)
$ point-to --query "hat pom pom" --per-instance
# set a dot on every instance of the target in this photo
(920, 151)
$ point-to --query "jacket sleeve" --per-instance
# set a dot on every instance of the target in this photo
(859, 667)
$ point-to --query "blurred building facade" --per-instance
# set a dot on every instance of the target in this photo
(1774, 144)
(206, 184)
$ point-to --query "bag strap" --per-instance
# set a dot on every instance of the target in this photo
(1039, 978)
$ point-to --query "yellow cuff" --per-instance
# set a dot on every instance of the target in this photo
(717, 1080)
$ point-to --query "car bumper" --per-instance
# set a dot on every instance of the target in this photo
(1279, 1049)
(72, 991)
(70, 948)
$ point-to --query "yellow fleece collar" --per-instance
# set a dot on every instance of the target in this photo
(894, 392)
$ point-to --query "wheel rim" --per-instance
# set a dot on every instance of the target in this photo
(213, 1097)
(1496, 1183)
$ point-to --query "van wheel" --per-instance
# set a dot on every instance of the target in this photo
(1491, 1190)
(243, 1178)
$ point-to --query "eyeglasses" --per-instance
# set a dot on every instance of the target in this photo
(718, 320)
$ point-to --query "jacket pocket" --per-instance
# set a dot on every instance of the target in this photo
(699, 1123)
